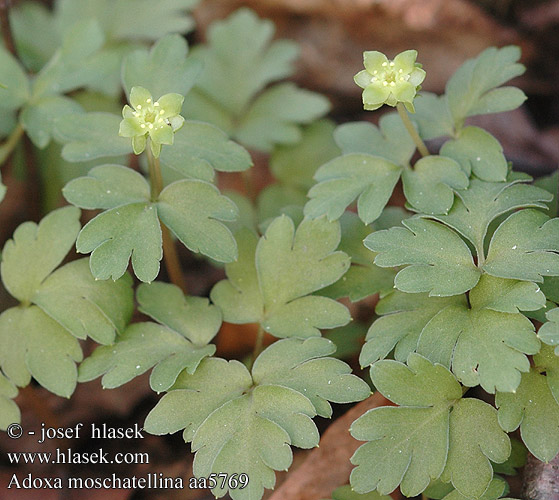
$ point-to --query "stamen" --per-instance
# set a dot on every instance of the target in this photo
(143, 125)
(148, 101)
(385, 83)
(162, 112)
(151, 125)
(139, 106)
(392, 84)
(156, 104)
(400, 70)
(384, 64)
(391, 64)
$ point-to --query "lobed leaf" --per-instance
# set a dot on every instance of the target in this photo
(439, 261)
(549, 331)
(272, 279)
(9, 411)
(347, 493)
(15, 91)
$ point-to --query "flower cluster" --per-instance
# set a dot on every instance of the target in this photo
(157, 119)
(389, 82)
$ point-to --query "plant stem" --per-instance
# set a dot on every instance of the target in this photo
(6, 28)
(172, 262)
(258, 345)
(411, 130)
(11, 142)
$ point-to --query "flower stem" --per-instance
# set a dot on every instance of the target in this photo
(172, 262)
(411, 130)
(11, 142)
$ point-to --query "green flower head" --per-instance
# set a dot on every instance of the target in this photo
(159, 119)
(389, 82)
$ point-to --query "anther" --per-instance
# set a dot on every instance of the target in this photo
(148, 101)
(139, 106)
(392, 64)
(384, 64)
(143, 125)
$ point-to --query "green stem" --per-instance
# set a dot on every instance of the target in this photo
(11, 142)
(258, 345)
(170, 255)
(411, 130)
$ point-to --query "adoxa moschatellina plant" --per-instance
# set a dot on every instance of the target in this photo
(462, 272)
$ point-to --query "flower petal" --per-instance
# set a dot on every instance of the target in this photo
(405, 61)
(363, 78)
(139, 143)
(404, 91)
(417, 76)
(162, 135)
(127, 112)
(373, 59)
(129, 127)
(375, 94)
(170, 104)
(139, 97)
(176, 122)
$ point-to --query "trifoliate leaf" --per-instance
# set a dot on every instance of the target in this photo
(516, 460)
(276, 115)
(434, 432)
(483, 346)
(142, 21)
(525, 247)
(549, 331)
(162, 70)
(180, 342)
(239, 60)
(36, 250)
(440, 262)
(371, 179)
(200, 148)
(238, 423)
(295, 165)
(195, 211)
(432, 116)
(33, 344)
(38, 117)
(363, 278)
(266, 284)
(471, 90)
(346, 493)
(9, 411)
(534, 409)
(403, 317)
(302, 365)
(479, 152)
(476, 207)
(430, 186)
(84, 306)
(87, 136)
(16, 85)
(390, 140)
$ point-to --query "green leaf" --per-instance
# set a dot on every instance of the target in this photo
(439, 261)
(432, 433)
(430, 186)
(471, 90)
(479, 152)
(276, 115)
(390, 140)
(243, 424)
(295, 165)
(164, 69)
(549, 331)
(33, 344)
(265, 284)
(127, 232)
(432, 116)
(525, 247)
(403, 317)
(9, 411)
(508, 296)
(87, 136)
(195, 211)
(240, 60)
(346, 493)
(496, 489)
(551, 184)
(200, 148)
(278, 199)
(484, 347)
(516, 460)
(84, 306)
(533, 408)
(38, 117)
(16, 85)
(369, 178)
(36, 250)
(476, 207)
(302, 365)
